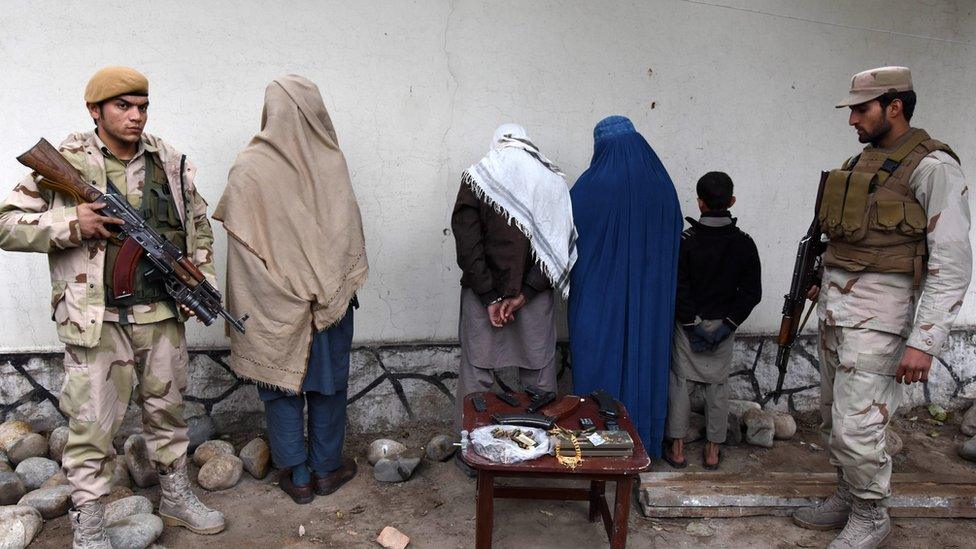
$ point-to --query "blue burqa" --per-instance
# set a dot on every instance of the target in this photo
(622, 290)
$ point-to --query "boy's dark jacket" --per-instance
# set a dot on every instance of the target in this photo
(719, 273)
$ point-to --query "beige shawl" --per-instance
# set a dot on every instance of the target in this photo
(296, 254)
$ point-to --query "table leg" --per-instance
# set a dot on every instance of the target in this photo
(621, 512)
(597, 490)
(486, 512)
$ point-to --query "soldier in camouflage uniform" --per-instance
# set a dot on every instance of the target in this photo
(114, 347)
(896, 268)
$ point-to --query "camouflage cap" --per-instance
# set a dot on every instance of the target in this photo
(874, 83)
(112, 82)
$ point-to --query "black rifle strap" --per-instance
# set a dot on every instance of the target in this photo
(186, 208)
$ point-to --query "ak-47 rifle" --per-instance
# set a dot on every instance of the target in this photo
(182, 279)
(804, 277)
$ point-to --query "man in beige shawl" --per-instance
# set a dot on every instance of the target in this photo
(295, 259)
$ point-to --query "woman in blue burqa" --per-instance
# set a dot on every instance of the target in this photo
(622, 289)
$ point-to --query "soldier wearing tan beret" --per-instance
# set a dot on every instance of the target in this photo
(115, 347)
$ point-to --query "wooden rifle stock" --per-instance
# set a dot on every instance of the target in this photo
(57, 173)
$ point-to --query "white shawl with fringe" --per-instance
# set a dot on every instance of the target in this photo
(530, 191)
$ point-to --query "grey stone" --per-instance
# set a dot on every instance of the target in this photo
(784, 425)
(135, 532)
(383, 448)
(760, 428)
(256, 457)
(893, 443)
(29, 445)
(221, 472)
(117, 493)
(11, 488)
(441, 448)
(241, 412)
(18, 526)
(35, 471)
(4, 462)
(211, 449)
(120, 476)
(137, 462)
(42, 414)
(968, 450)
(738, 407)
(969, 421)
(696, 428)
(12, 431)
(56, 443)
(199, 425)
(207, 379)
(126, 507)
(398, 469)
(57, 479)
(49, 502)
(733, 435)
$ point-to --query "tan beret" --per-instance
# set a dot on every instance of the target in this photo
(115, 81)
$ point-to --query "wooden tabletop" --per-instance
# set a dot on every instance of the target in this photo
(547, 465)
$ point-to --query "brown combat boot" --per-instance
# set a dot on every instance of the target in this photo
(333, 481)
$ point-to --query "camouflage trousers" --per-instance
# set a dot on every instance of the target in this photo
(858, 395)
(148, 359)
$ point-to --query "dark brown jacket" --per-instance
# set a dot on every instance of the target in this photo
(494, 256)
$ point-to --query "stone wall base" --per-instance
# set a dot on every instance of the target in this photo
(394, 384)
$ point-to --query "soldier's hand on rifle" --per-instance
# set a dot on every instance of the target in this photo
(94, 225)
(814, 293)
(188, 312)
(914, 366)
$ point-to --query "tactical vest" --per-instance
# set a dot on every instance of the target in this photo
(159, 210)
(870, 214)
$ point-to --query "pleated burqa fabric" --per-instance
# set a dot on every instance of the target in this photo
(622, 291)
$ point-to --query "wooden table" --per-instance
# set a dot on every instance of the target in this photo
(598, 471)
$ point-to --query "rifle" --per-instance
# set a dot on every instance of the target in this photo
(182, 279)
(804, 275)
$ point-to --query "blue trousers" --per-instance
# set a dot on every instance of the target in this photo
(326, 430)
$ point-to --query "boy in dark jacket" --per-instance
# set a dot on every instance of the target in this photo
(719, 283)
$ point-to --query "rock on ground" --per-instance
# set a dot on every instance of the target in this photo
(57, 479)
(784, 425)
(56, 442)
(441, 448)
(893, 443)
(49, 502)
(398, 469)
(384, 448)
(135, 532)
(221, 472)
(11, 488)
(120, 476)
(4, 462)
(760, 428)
(696, 428)
(733, 435)
(35, 471)
(137, 462)
(127, 507)
(969, 421)
(256, 457)
(28, 446)
(18, 526)
(968, 450)
(12, 431)
(391, 538)
(211, 449)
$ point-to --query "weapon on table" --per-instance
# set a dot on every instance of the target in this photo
(804, 276)
(183, 280)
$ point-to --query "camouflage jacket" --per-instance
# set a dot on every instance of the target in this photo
(36, 220)
(889, 302)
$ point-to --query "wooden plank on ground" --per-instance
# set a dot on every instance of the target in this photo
(706, 494)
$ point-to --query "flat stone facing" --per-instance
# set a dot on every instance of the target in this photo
(391, 384)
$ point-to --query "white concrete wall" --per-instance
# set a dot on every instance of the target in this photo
(416, 88)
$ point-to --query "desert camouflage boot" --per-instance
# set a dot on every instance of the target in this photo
(88, 523)
(179, 506)
(831, 513)
(867, 528)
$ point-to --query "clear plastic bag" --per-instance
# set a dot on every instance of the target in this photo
(505, 450)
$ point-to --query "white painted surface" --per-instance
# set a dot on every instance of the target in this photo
(416, 88)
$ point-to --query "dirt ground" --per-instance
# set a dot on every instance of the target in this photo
(436, 508)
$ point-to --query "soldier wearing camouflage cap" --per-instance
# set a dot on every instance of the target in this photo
(896, 268)
(114, 344)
